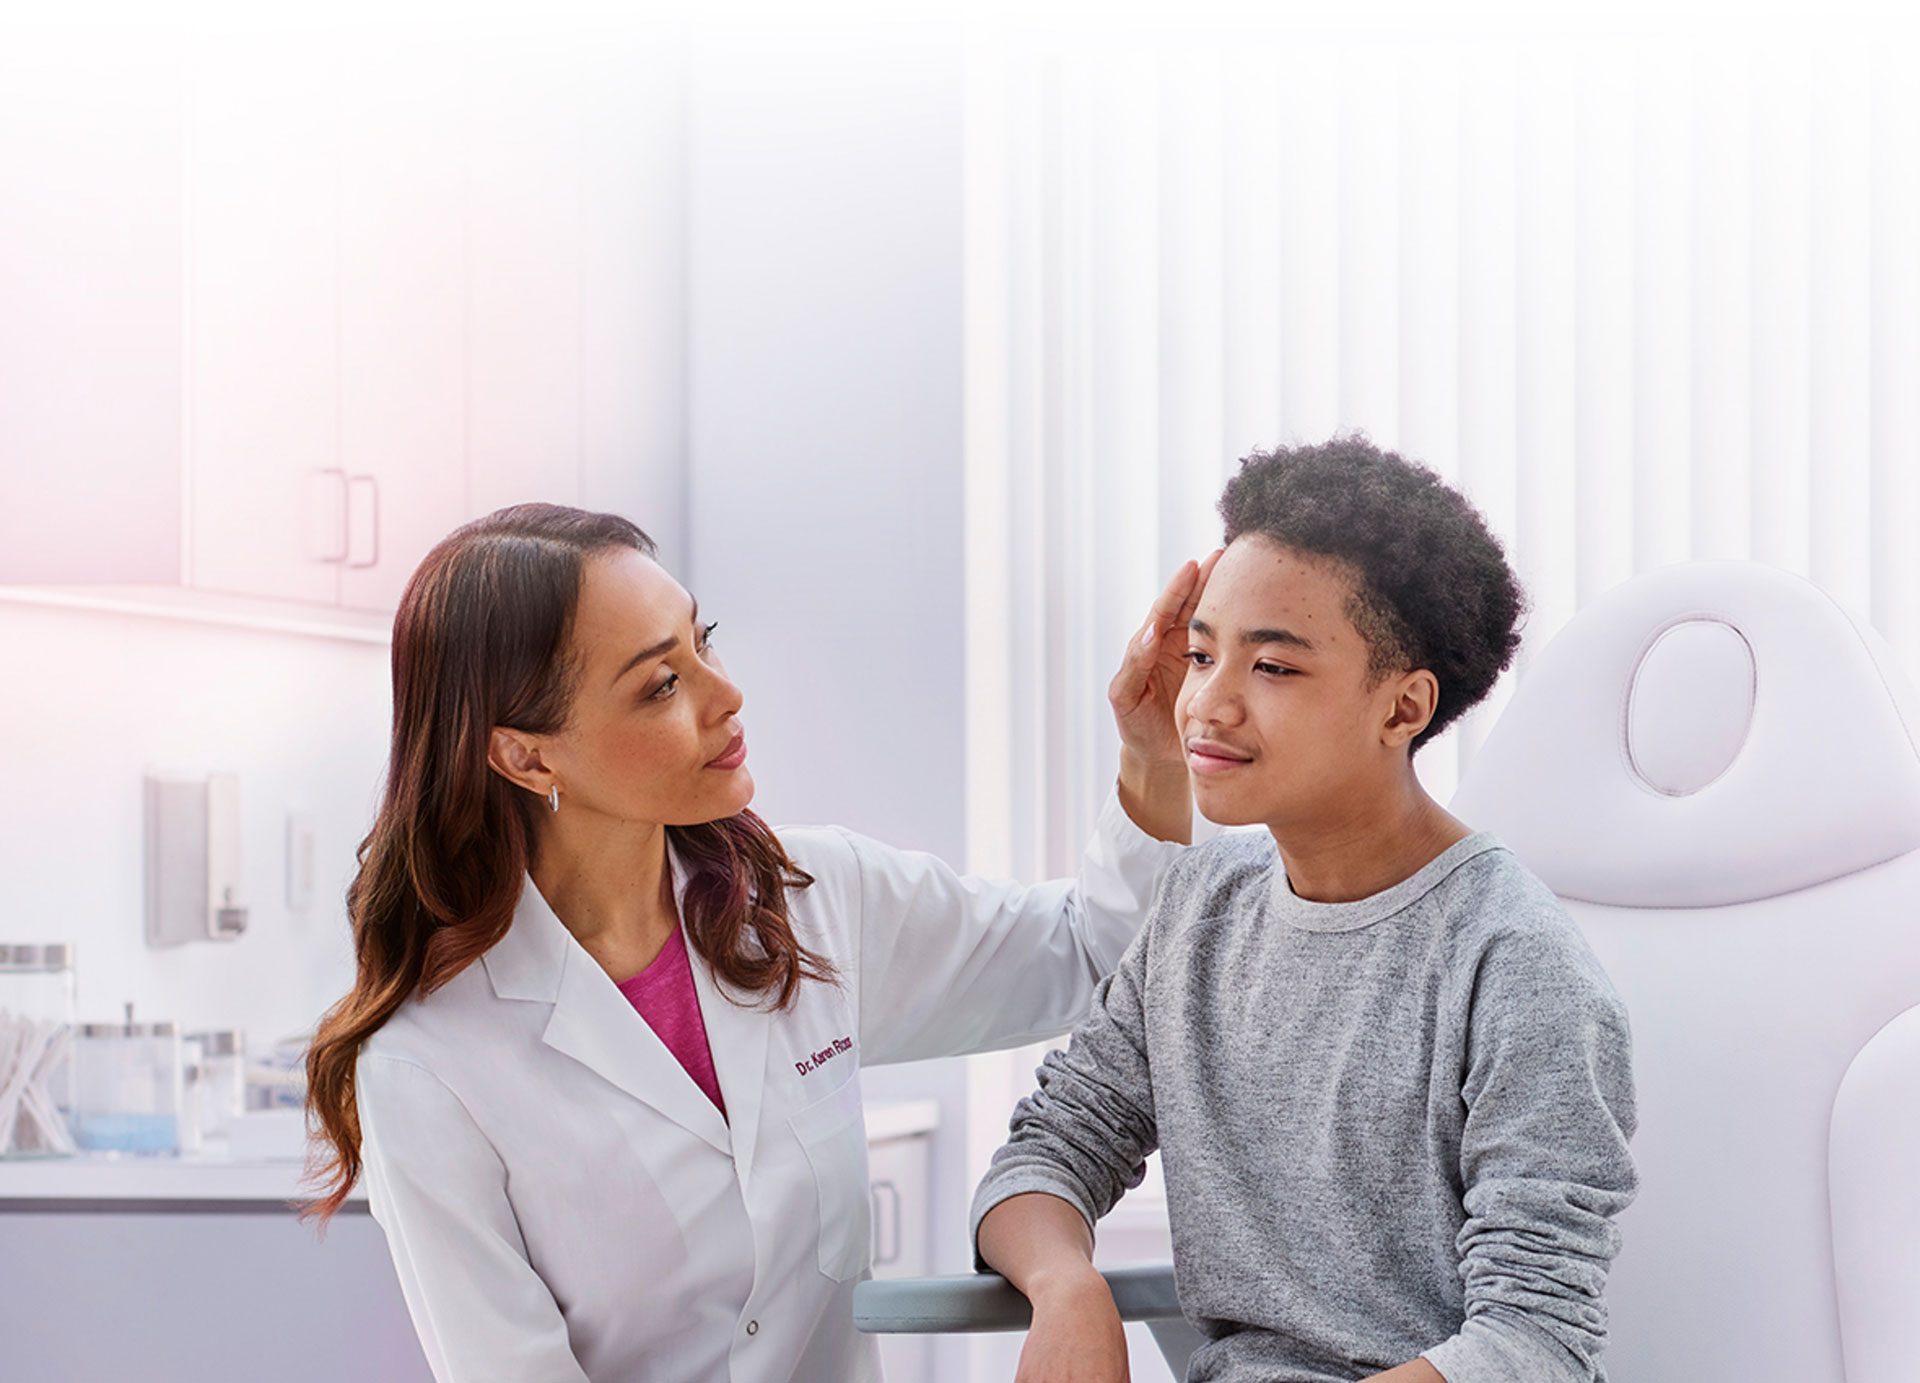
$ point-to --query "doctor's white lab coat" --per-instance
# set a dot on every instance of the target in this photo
(563, 1203)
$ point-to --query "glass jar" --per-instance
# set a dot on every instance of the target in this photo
(220, 1090)
(36, 1070)
(128, 1090)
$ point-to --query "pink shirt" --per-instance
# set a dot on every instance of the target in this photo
(663, 994)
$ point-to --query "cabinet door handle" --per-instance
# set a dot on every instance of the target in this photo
(371, 485)
(328, 530)
(881, 1254)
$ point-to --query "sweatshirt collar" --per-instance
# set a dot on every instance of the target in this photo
(1364, 912)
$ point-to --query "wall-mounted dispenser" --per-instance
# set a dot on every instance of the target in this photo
(193, 859)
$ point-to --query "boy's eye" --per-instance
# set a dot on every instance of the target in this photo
(1273, 669)
(1197, 658)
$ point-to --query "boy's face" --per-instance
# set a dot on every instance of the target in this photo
(1282, 722)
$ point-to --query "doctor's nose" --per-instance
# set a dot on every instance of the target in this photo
(727, 698)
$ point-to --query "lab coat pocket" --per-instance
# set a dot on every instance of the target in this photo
(833, 1135)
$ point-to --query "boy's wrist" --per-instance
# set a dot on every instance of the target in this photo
(1065, 1286)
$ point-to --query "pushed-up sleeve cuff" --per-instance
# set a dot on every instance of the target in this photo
(1019, 1181)
(1491, 1348)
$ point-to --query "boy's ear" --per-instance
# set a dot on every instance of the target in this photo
(1415, 697)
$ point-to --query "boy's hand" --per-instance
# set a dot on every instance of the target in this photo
(1076, 1336)
(1143, 691)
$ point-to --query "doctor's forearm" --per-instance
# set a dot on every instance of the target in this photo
(1158, 797)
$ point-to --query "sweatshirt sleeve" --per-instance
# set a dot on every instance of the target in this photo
(1543, 1161)
(1085, 1134)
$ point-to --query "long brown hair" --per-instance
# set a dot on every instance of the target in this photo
(482, 639)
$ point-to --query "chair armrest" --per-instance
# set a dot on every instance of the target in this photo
(972, 1302)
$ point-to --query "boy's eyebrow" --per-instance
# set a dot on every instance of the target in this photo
(1258, 636)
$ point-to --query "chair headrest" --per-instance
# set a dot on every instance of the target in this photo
(1709, 733)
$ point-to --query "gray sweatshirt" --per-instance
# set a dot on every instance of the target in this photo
(1388, 1128)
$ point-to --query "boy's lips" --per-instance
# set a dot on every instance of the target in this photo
(1211, 756)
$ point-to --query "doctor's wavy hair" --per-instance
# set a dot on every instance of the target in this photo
(482, 638)
(1431, 587)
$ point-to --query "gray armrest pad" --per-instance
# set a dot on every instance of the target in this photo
(986, 1301)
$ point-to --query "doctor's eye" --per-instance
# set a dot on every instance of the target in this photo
(706, 634)
(666, 688)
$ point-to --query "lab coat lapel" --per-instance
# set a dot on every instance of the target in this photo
(592, 1022)
(737, 1031)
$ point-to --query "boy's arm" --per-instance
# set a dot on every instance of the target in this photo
(1543, 1161)
(1077, 1143)
(1041, 1245)
(1084, 1135)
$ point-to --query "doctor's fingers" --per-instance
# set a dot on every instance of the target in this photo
(1198, 587)
(1172, 608)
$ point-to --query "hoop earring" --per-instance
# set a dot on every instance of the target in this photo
(553, 797)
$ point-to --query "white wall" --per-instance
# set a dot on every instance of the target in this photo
(90, 701)
(824, 420)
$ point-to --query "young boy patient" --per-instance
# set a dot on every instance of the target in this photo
(1390, 1084)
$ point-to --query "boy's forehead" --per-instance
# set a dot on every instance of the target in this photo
(1258, 582)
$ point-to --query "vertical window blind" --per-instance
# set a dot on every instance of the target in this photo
(1644, 303)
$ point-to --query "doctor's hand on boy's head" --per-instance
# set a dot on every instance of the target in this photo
(1153, 785)
(1145, 688)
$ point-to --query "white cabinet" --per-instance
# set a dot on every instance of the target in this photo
(90, 307)
(263, 366)
(282, 309)
(899, 1175)
(403, 228)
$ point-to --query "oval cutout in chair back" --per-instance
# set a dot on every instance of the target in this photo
(1690, 706)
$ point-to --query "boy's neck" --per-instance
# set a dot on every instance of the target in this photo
(1358, 849)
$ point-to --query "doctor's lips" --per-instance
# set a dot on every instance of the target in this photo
(1212, 756)
(734, 755)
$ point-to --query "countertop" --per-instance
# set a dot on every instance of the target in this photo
(259, 1171)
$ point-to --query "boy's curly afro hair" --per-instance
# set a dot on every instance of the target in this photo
(1431, 586)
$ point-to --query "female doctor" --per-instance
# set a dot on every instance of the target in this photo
(599, 1063)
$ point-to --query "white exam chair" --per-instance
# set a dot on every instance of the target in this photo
(1714, 766)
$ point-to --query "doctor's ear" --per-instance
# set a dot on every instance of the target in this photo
(515, 756)
(1415, 697)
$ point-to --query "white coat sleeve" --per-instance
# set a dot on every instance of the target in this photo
(439, 1191)
(950, 963)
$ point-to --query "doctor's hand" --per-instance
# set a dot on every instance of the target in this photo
(1076, 1336)
(1153, 762)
